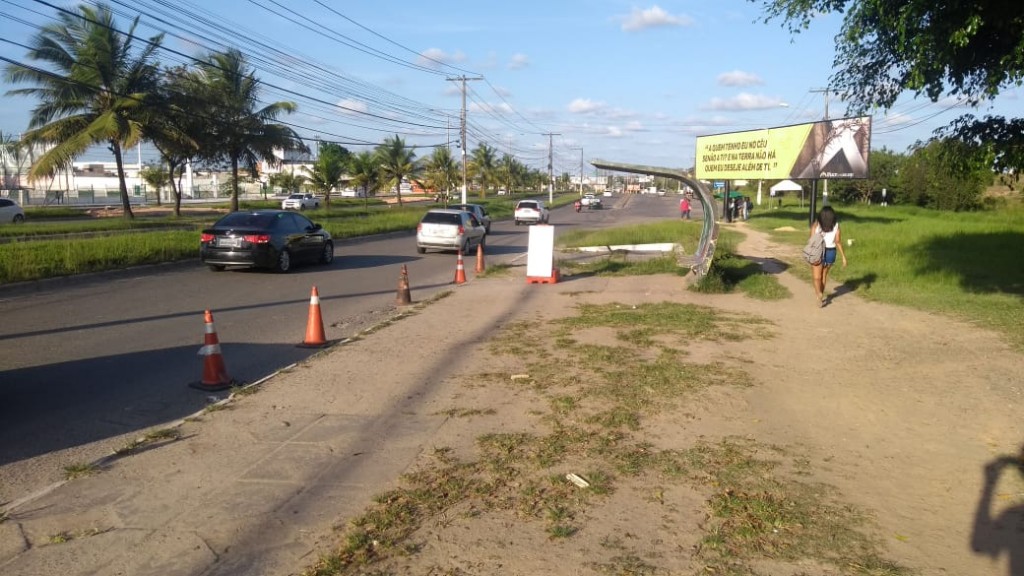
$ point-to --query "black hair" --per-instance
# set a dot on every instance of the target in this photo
(827, 219)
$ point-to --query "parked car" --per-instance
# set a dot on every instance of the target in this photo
(10, 211)
(591, 201)
(300, 202)
(274, 239)
(531, 212)
(448, 229)
(476, 210)
(502, 192)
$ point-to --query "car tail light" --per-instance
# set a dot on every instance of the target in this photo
(206, 237)
(419, 227)
(462, 230)
(257, 238)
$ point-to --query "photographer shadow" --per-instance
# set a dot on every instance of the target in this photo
(994, 536)
(853, 284)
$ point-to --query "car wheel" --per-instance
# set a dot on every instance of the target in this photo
(19, 218)
(302, 207)
(488, 229)
(465, 247)
(217, 267)
(284, 262)
(421, 250)
(327, 256)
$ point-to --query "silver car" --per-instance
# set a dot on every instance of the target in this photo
(10, 211)
(476, 210)
(449, 230)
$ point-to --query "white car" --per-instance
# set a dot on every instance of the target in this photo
(11, 212)
(300, 202)
(590, 201)
(447, 229)
(531, 212)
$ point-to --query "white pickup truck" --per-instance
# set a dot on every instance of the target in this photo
(590, 201)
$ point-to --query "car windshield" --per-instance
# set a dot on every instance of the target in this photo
(529, 205)
(295, 197)
(247, 220)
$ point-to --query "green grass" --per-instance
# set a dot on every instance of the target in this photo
(79, 470)
(730, 273)
(967, 264)
(685, 233)
(32, 229)
(22, 261)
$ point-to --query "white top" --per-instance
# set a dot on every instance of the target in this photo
(830, 237)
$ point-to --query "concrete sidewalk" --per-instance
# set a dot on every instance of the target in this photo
(256, 486)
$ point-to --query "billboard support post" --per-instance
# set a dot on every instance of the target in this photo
(725, 203)
(813, 202)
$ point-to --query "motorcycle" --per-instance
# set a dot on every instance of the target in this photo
(577, 205)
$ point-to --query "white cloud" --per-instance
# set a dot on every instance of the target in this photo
(518, 62)
(635, 126)
(434, 57)
(744, 101)
(653, 17)
(614, 132)
(739, 78)
(349, 106)
(585, 106)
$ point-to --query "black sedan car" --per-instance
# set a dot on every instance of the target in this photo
(273, 239)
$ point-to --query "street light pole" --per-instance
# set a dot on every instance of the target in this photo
(551, 174)
(463, 79)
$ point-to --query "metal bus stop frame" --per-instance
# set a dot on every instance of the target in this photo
(709, 234)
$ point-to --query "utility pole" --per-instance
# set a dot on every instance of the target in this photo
(551, 174)
(581, 169)
(463, 79)
(508, 184)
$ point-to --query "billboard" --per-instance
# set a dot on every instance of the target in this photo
(827, 149)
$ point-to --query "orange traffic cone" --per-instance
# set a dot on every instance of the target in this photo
(215, 375)
(460, 270)
(404, 297)
(480, 266)
(315, 337)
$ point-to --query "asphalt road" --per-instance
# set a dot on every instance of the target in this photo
(108, 355)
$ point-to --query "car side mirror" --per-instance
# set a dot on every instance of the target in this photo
(315, 227)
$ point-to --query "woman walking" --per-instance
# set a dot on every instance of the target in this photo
(828, 226)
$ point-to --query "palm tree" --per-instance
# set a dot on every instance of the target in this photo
(239, 131)
(397, 163)
(328, 170)
(173, 129)
(12, 155)
(95, 92)
(364, 169)
(441, 170)
(484, 166)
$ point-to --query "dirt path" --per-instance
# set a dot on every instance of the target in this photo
(899, 410)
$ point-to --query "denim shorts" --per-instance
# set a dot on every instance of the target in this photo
(829, 258)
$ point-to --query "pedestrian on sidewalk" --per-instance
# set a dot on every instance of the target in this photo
(684, 208)
(828, 225)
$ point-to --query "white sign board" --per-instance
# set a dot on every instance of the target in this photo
(540, 251)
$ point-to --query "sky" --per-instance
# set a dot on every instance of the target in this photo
(574, 79)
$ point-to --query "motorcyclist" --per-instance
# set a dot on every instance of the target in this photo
(577, 205)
